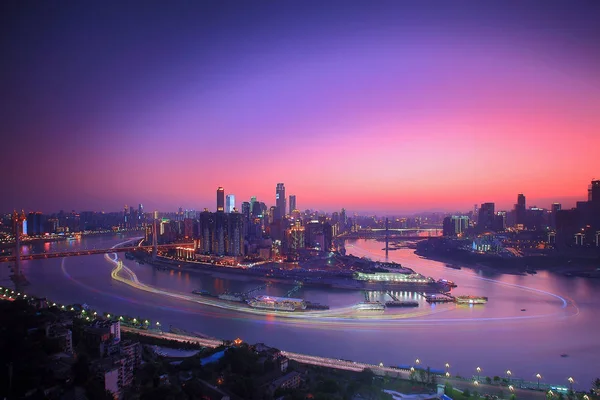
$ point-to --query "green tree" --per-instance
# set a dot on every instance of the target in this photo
(448, 389)
(488, 380)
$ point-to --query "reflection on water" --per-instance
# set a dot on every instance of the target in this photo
(496, 336)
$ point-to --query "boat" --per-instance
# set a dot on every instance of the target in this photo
(203, 293)
(453, 266)
(402, 304)
(276, 303)
(448, 283)
(231, 297)
(316, 306)
(369, 306)
(471, 299)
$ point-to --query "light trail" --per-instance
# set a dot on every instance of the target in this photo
(325, 319)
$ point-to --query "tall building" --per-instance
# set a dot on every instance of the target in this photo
(34, 224)
(594, 191)
(455, 225)
(486, 217)
(141, 217)
(279, 201)
(221, 233)
(220, 199)
(520, 210)
(292, 203)
(229, 203)
(556, 207)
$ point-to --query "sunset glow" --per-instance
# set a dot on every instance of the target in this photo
(376, 109)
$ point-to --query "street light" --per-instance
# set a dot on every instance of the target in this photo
(417, 361)
(447, 374)
(538, 376)
(571, 380)
(511, 388)
(478, 372)
(476, 383)
(508, 373)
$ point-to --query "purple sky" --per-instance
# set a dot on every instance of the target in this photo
(373, 106)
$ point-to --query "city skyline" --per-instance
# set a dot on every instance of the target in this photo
(387, 108)
(219, 204)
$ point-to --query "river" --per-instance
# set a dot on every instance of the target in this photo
(560, 314)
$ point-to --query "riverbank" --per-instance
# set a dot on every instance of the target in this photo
(494, 264)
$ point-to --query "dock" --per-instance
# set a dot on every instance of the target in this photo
(439, 298)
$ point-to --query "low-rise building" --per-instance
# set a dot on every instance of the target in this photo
(287, 381)
(63, 335)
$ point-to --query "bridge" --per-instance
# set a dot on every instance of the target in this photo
(87, 252)
(393, 233)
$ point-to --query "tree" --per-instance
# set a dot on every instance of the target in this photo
(366, 376)
(448, 389)
(488, 380)
(496, 379)
(596, 385)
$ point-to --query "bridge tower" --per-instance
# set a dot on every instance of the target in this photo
(17, 220)
(154, 240)
(387, 237)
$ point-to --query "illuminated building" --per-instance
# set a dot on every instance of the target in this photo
(141, 217)
(455, 225)
(294, 240)
(220, 199)
(229, 203)
(221, 234)
(34, 224)
(292, 203)
(279, 202)
(391, 277)
(500, 221)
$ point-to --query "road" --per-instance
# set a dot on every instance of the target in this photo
(354, 366)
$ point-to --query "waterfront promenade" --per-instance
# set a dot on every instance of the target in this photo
(379, 370)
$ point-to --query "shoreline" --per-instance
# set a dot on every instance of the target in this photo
(530, 266)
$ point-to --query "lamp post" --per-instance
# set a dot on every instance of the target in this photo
(511, 388)
(447, 369)
(538, 376)
(417, 361)
(478, 372)
(508, 374)
(571, 380)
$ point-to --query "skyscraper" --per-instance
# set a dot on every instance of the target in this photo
(280, 201)
(486, 216)
(220, 199)
(292, 203)
(594, 191)
(229, 203)
(520, 210)
(141, 218)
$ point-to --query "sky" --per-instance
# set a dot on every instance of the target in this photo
(375, 106)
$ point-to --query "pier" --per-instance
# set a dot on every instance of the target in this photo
(439, 298)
